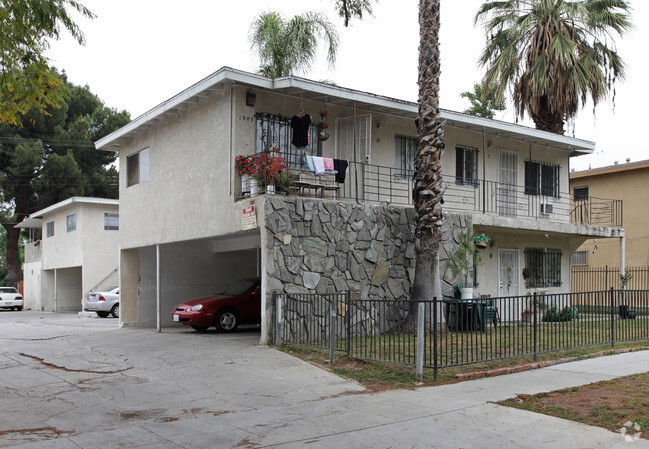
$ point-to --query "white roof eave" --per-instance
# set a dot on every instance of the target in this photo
(363, 99)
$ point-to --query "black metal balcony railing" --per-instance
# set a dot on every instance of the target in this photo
(389, 185)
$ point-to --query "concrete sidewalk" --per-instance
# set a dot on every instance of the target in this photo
(68, 382)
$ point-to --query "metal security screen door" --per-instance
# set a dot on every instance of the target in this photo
(508, 285)
(508, 179)
(345, 147)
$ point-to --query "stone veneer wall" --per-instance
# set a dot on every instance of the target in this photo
(329, 246)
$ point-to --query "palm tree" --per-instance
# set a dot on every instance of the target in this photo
(553, 54)
(427, 182)
(286, 48)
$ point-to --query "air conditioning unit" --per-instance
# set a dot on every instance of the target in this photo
(547, 208)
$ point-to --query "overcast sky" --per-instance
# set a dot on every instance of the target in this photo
(139, 53)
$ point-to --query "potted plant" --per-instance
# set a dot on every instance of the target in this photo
(462, 260)
(481, 240)
(268, 167)
(245, 166)
(284, 183)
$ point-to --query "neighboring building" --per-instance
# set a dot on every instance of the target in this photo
(183, 228)
(630, 183)
(78, 253)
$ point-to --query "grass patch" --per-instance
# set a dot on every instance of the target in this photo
(613, 405)
(378, 376)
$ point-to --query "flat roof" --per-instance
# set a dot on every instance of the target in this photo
(335, 95)
(617, 168)
(35, 220)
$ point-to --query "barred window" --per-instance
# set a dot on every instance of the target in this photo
(405, 149)
(545, 267)
(579, 258)
(466, 166)
(111, 222)
(580, 193)
(275, 130)
(541, 178)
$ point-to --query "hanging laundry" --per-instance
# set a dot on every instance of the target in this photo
(328, 163)
(300, 126)
(341, 167)
(318, 165)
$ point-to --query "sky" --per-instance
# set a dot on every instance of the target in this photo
(139, 53)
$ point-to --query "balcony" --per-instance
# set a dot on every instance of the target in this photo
(388, 185)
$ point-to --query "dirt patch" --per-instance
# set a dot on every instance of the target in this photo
(620, 405)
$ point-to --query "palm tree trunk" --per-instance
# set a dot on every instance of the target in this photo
(546, 119)
(427, 185)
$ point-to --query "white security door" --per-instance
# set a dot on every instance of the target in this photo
(358, 150)
(507, 183)
(508, 285)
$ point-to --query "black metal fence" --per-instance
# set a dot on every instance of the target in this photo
(462, 331)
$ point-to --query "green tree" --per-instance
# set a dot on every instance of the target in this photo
(553, 54)
(52, 157)
(26, 80)
(484, 102)
(347, 9)
(287, 48)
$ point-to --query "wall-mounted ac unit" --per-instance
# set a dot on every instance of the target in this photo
(547, 208)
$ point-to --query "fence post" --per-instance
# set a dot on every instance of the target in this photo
(435, 337)
(348, 320)
(420, 340)
(612, 301)
(332, 330)
(535, 326)
(278, 319)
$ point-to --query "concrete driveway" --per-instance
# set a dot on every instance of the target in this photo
(68, 382)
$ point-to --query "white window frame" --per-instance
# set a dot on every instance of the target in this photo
(71, 222)
(405, 148)
(579, 258)
(137, 167)
(49, 229)
(109, 223)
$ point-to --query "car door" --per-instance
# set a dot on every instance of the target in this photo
(249, 305)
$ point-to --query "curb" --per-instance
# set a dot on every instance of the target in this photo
(537, 365)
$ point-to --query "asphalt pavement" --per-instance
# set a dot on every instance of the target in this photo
(77, 382)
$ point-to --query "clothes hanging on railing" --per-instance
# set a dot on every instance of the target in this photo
(340, 167)
(300, 126)
(328, 163)
(318, 165)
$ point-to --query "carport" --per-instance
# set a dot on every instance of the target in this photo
(156, 278)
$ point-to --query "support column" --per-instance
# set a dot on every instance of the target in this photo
(129, 275)
(157, 288)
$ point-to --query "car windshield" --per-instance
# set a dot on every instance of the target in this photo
(240, 287)
(111, 288)
(8, 290)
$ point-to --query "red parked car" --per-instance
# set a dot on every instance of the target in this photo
(239, 304)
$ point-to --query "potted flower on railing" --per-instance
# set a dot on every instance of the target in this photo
(268, 168)
(245, 166)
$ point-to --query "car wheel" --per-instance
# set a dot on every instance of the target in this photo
(19, 308)
(115, 311)
(102, 314)
(227, 320)
(199, 328)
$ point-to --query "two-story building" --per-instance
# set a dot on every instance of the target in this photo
(189, 227)
(78, 252)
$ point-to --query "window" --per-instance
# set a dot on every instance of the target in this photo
(466, 166)
(111, 222)
(545, 267)
(49, 229)
(580, 193)
(405, 149)
(579, 258)
(541, 178)
(71, 222)
(276, 130)
(137, 168)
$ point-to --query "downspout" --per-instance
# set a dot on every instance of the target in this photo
(157, 287)
(56, 290)
(230, 145)
(354, 147)
(622, 253)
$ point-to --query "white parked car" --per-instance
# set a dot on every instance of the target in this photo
(104, 303)
(10, 299)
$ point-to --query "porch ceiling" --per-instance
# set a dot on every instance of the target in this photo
(526, 226)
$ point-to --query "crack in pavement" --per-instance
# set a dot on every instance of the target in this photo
(72, 370)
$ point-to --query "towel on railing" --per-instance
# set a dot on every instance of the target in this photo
(318, 165)
(309, 163)
(328, 163)
(341, 169)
